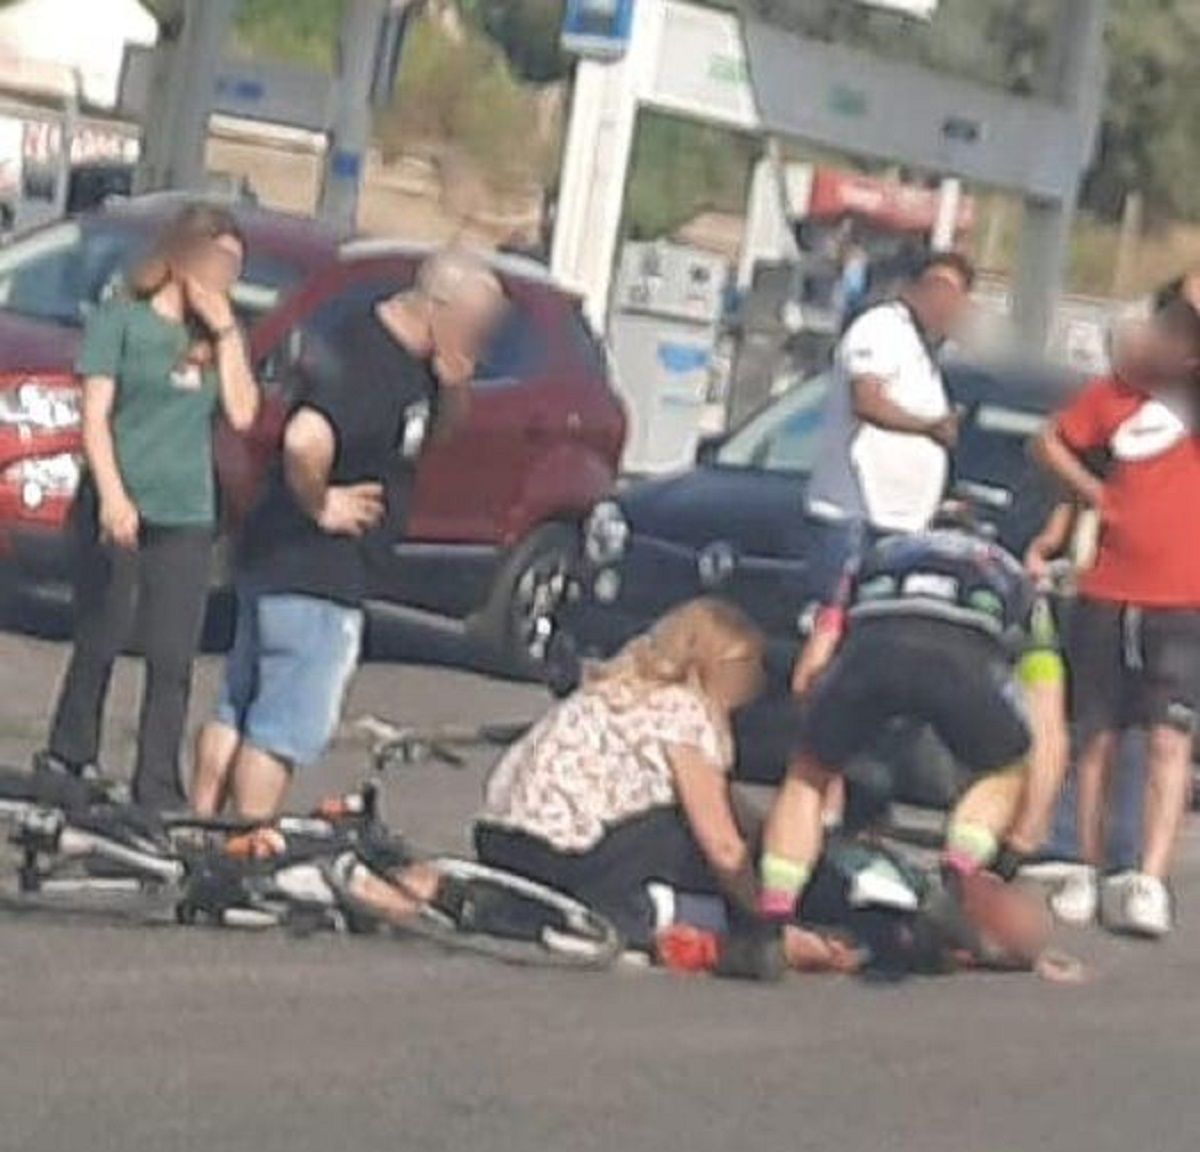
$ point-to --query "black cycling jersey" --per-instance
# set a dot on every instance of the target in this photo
(950, 576)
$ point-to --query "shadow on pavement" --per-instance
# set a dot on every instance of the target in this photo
(389, 639)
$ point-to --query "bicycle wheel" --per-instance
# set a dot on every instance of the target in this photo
(518, 921)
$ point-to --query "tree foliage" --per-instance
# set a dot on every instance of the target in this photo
(1149, 142)
(681, 169)
(1150, 134)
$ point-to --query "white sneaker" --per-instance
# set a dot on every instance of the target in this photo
(1136, 903)
(1077, 900)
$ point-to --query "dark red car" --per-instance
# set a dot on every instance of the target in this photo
(495, 522)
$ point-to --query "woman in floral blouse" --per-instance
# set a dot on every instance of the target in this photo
(623, 786)
(625, 782)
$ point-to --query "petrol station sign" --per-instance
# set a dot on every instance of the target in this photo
(597, 29)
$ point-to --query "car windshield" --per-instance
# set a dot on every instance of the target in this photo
(784, 436)
(58, 274)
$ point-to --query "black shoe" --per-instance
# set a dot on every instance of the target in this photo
(72, 786)
(46, 762)
(752, 951)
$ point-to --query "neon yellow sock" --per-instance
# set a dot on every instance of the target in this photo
(782, 880)
(972, 842)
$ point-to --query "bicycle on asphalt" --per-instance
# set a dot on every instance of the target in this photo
(81, 853)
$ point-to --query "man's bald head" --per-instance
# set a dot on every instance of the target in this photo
(454, 277)
(463, 302)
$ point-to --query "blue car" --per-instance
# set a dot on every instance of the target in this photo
(734, 525)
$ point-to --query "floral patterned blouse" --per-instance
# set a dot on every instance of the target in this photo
(598, 759)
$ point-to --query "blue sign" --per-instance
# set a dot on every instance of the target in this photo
(597, 28)
(240, 89)
(682, 359)
(346, 165)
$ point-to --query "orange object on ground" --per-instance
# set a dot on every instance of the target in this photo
(683, 948)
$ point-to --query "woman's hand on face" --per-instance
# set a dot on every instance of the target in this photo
(120, 522)
(212, 307)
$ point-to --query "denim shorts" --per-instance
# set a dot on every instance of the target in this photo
(287, 673)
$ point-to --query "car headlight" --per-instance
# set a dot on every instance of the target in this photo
(40, 405)
(607, 533)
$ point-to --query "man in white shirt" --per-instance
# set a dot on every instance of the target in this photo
(889, 427)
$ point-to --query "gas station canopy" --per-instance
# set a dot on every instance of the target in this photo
(863, 102)
(754, 72)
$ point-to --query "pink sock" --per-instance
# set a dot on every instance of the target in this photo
(960, 862)
(776, 905)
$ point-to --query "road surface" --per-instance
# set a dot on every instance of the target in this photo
(130, 1039)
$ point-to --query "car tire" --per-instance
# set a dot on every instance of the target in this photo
(524, 612)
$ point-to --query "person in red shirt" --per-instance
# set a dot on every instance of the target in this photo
(1135, 632)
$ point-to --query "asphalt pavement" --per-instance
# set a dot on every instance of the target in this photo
(130, 1038)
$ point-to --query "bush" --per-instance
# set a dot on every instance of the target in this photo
(681, 169)
(460, 92)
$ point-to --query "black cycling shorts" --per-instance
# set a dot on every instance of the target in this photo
(1133, 667)
(953, 678)
(611, 877)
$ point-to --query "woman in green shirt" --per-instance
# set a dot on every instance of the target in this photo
(156, 365)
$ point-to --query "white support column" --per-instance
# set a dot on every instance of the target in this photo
(768, 233)
(945, 227)
(345, 159)
(596, 162)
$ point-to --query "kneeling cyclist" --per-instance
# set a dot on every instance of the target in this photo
(945, 628)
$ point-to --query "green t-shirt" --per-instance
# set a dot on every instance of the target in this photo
(163, 413)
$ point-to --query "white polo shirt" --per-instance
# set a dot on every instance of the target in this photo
(893, 480)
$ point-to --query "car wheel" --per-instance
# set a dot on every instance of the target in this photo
(525, 613)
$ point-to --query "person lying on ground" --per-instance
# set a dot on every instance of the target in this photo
(623, 786)
(945, 628)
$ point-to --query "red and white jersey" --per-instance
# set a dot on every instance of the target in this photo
(1149, 548)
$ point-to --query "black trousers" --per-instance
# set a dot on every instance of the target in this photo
(164, 583)
(612, 877)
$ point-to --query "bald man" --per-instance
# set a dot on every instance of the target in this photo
(372, 393)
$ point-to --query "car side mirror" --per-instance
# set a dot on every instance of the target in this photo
(707, 450)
